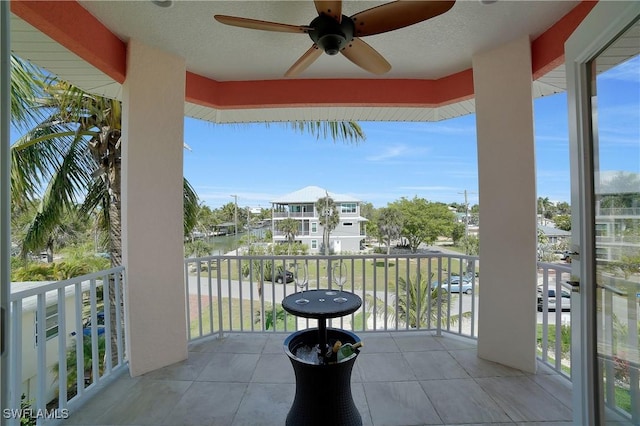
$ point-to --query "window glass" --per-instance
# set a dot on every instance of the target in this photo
(348, 208)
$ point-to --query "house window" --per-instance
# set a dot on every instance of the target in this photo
(51, 322)
(348, 208)
(314, 244)
(347, 224)
(314, 227)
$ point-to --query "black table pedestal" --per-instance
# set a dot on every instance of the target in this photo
(323, 392)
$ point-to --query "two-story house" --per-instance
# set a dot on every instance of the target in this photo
(300, 205)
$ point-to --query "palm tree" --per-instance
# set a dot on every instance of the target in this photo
(74, 152)
(417, 304)
(329, 218)
(290, 228)
(544, 205)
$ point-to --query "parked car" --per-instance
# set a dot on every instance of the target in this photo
(565, 299)
(279, 277)
(456, 279)
(467, 287)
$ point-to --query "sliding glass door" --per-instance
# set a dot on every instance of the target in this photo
(603, 76)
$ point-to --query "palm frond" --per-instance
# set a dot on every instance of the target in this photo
(62, 193)
(191, 207)
(346, 131)
(26, 87)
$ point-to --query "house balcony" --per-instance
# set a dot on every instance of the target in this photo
(278, 215)
(424, 370)
(399, 378)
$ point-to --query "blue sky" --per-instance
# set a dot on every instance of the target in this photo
(436, 161)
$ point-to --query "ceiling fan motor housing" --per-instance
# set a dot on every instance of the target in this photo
(331, 35)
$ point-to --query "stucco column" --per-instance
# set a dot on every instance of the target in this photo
(152, 208)
(507, 183)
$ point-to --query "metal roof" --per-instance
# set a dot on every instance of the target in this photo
(311, 194)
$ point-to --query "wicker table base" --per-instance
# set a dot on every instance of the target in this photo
(323, 392)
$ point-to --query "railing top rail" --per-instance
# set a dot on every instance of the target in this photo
(554, 266)
(34, 291)
(334, 257)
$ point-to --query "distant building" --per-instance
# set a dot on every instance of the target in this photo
(617, 208)
(300, 205)
(554, 235)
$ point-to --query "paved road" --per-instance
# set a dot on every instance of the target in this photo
(276, 292)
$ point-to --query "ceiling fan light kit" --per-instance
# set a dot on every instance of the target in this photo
(330, 35)
(333, 33)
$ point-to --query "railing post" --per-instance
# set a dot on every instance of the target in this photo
(6, 394)
(439, 300)
(41, 351)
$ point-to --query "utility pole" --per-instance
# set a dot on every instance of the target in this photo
(235, 215)
(466, 217)
(235, 221)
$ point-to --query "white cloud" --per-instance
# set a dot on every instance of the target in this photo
(396, 151)
(626, 71)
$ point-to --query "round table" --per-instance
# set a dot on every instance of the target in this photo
(321, 306)
(323, 390)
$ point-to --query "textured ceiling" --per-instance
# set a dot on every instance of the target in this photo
(430, 50)
(225, 53)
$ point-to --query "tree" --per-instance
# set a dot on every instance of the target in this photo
(198, 248)
(74, 152)
(290, 228)
(329, 218)
(417, 303)
(563, 208)
(620, 190)
(389, 222)
(471, 245)
(423, 221)
(544, 205)
(457, 232)
(563, 222)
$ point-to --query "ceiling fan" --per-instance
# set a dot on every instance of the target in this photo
(333, 32)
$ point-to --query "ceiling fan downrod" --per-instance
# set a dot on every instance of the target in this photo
(331, 35)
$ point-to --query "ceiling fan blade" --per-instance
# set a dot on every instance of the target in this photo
(256, 24)
(304, 61)
(366, 57)
(330, 8)
(398, 14)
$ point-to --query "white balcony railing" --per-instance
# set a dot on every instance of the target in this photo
(236, 294)
(78, 346)
(554, 325)
(618, 323)
(229, 294)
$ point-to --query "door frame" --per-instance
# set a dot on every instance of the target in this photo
(605, 22)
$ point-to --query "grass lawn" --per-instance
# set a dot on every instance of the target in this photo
(250, 317)
(367, 272)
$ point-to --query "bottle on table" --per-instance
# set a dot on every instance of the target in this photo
(332, 354)
(346, 350)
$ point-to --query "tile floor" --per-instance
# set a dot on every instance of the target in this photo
(403, 379)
